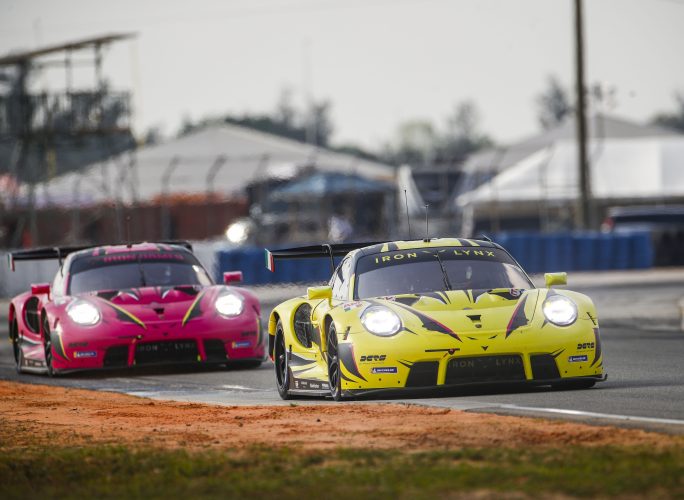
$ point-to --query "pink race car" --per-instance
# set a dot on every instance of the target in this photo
(132, 305)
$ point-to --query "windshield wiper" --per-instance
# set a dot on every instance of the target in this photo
(142, 273)
(445, 276)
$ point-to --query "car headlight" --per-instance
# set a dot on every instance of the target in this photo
(229, 304)
(560, 310)
(381, 321)
(83, 312)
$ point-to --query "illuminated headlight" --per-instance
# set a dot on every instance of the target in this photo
(560, 310)
(84, 313)
(381, 321)
(229, 304)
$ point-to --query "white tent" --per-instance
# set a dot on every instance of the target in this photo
(221, 159)
(637, 168)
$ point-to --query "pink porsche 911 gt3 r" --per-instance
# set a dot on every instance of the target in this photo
(131, 305)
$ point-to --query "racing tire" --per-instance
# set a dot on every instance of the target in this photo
(47, 345)
(16, 347)
(334, 372)
(14, 337)
(282, 370)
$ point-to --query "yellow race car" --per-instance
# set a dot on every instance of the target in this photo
(429, 313)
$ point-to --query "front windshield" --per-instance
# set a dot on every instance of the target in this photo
(436, 269)
(135, 269)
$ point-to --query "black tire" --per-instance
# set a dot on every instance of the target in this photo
(16, 347)
(47, 345)
(334, 372)
(282, 370)
(14, 337)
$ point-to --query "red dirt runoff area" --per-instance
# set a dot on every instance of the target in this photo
(36, 415)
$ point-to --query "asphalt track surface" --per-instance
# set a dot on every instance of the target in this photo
(643, 356)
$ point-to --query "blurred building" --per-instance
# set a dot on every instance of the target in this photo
(216, 173)
(532, 185)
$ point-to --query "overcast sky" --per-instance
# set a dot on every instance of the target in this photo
(380, 62)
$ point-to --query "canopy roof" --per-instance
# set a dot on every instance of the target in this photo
(636, 168)
(321, 184)
(601, 127)
(221, 159)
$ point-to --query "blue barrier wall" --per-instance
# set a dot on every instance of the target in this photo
(537, 253)
(252, 262)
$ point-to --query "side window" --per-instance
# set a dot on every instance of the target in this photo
(341, 280)
(336, 282)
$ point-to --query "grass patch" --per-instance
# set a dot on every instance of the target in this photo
(115, 472)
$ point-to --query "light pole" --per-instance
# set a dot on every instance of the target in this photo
(584, 213)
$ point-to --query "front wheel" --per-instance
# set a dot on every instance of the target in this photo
(16, 346)
(281, 369)
(47, 345)
(334, 372)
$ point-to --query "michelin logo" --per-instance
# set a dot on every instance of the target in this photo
(384, 369)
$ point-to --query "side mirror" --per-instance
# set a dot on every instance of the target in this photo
(40, 289)
(232, 277)
(319, 292)
(552, 279)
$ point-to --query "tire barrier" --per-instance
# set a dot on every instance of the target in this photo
(252, 262)
(539, 253)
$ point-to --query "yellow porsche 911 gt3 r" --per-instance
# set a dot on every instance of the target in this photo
(430, 313)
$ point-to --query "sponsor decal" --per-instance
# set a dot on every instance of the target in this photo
(78, 344)
(486, 362)
(370, 358)
(248, 334)
(474, 253)
(241, 344)
(33, 363)
(395, 257)
(348, 306)
(585, 345)
(391, 298)
(384, 369)
(577, 359)
(85, 354)
(312, 385)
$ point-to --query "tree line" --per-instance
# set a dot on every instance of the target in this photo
(417, 142)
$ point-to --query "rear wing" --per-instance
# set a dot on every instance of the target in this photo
(59, 253)
(42, 254)
(323, 250)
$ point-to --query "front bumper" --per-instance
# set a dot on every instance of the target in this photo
(445, 388)
(534, 355)
(201, 341)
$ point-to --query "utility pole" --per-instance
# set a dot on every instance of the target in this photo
(584, 214)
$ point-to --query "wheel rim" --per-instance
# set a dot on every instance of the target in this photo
(48, 346)
(281, 361)
(15, 340)
(333, 361)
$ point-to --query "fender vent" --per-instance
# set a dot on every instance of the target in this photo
(302, 325)
(116, 356)
(423, 374)
(544, 367)
(215, 351)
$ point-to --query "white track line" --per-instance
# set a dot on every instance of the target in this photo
(588, 414)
